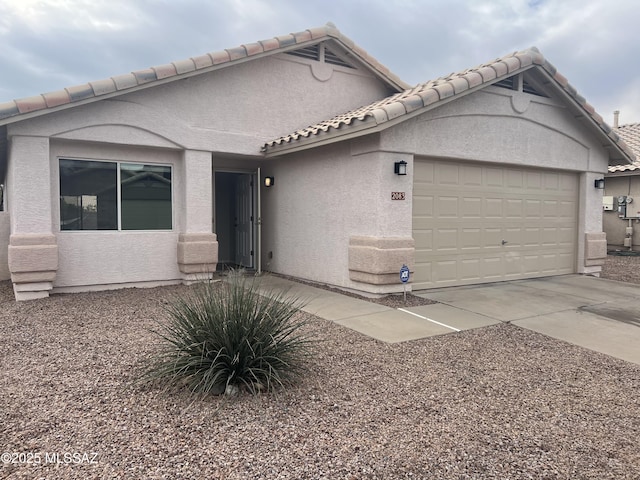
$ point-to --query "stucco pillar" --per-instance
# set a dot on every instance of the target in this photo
(592, 241)
(197, 245)
(33, 250)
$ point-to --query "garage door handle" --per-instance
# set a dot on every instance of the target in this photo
(504, 242)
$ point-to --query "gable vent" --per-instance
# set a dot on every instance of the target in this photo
(511, 83)
(312, 52)
(315, 52)
(528, 88)
(333, 59)
(507, 83)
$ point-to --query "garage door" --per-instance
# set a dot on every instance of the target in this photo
(475, 223)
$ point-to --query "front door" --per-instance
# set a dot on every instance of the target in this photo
(244, 221)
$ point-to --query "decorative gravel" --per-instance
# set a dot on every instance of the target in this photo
(499, 402)
(622, 268)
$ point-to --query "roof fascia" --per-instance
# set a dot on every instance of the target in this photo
(581, 114)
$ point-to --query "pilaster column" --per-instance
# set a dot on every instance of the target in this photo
(197, 245)
(33, 250)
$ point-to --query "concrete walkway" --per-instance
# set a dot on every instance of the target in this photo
(598, 314)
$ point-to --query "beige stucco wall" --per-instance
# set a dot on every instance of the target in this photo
(613, 225)
(233, 110)
(323, 197)
(5, 231)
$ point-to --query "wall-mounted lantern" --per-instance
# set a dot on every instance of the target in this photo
(599, 183)
(400, 168)
(268, 182)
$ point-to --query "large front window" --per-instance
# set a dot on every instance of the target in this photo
(114, 196)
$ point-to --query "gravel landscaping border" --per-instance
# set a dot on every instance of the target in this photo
(498, 402)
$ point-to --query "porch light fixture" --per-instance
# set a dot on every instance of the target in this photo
(400, 168)
(269, 182)
(599, 183)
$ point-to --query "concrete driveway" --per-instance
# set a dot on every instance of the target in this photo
(598, 314)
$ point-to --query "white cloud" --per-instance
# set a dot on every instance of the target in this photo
(47, 43)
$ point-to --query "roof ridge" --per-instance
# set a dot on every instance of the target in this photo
(122, 83)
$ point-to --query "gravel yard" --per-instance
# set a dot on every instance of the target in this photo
(498, 402)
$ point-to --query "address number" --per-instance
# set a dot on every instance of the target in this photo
(397, 195)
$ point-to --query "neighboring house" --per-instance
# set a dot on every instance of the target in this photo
(621, 215)
(157, 176)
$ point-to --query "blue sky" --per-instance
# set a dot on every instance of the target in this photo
(51, 44)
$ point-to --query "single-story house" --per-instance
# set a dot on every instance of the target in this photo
(303, 155)
(621, 201)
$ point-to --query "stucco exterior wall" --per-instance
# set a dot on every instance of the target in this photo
(614, 226)
(486, 126)
(323, 197)
(233, 110)
(5, 232)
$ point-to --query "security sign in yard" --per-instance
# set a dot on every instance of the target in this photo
(404, 274)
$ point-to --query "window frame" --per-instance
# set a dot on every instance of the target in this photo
(118, 194)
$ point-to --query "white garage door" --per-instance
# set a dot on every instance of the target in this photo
(475, 223)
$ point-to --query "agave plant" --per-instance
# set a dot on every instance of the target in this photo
(226, 336)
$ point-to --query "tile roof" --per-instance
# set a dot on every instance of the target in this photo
(16, 110)
(433, 92)
(630, 133)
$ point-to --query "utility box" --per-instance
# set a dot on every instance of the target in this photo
(607, 203)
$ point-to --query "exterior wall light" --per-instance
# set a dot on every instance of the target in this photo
(400, 168)
(599, 183)
(269, 182)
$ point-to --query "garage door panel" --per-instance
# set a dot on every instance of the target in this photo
(494, 177)
(492, 238)
(470, 269)
(446, 239)
(492, 268)
(471, 207)
(532, 237)
(423, 204)
(447, 174)
(444, 271)
(471, 239)
(515, 208)
(514, 179)
(461, 220)
(514, 236)
(566, 210)
(533, 208)
(472, 177)
(447, 207)
(493, 207)
(533, 180)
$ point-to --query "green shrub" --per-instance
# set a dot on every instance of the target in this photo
(225, 336)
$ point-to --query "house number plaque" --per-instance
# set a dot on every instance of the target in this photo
(397, 195)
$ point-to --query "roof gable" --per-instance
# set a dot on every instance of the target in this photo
(414, 101)
(21, 109)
